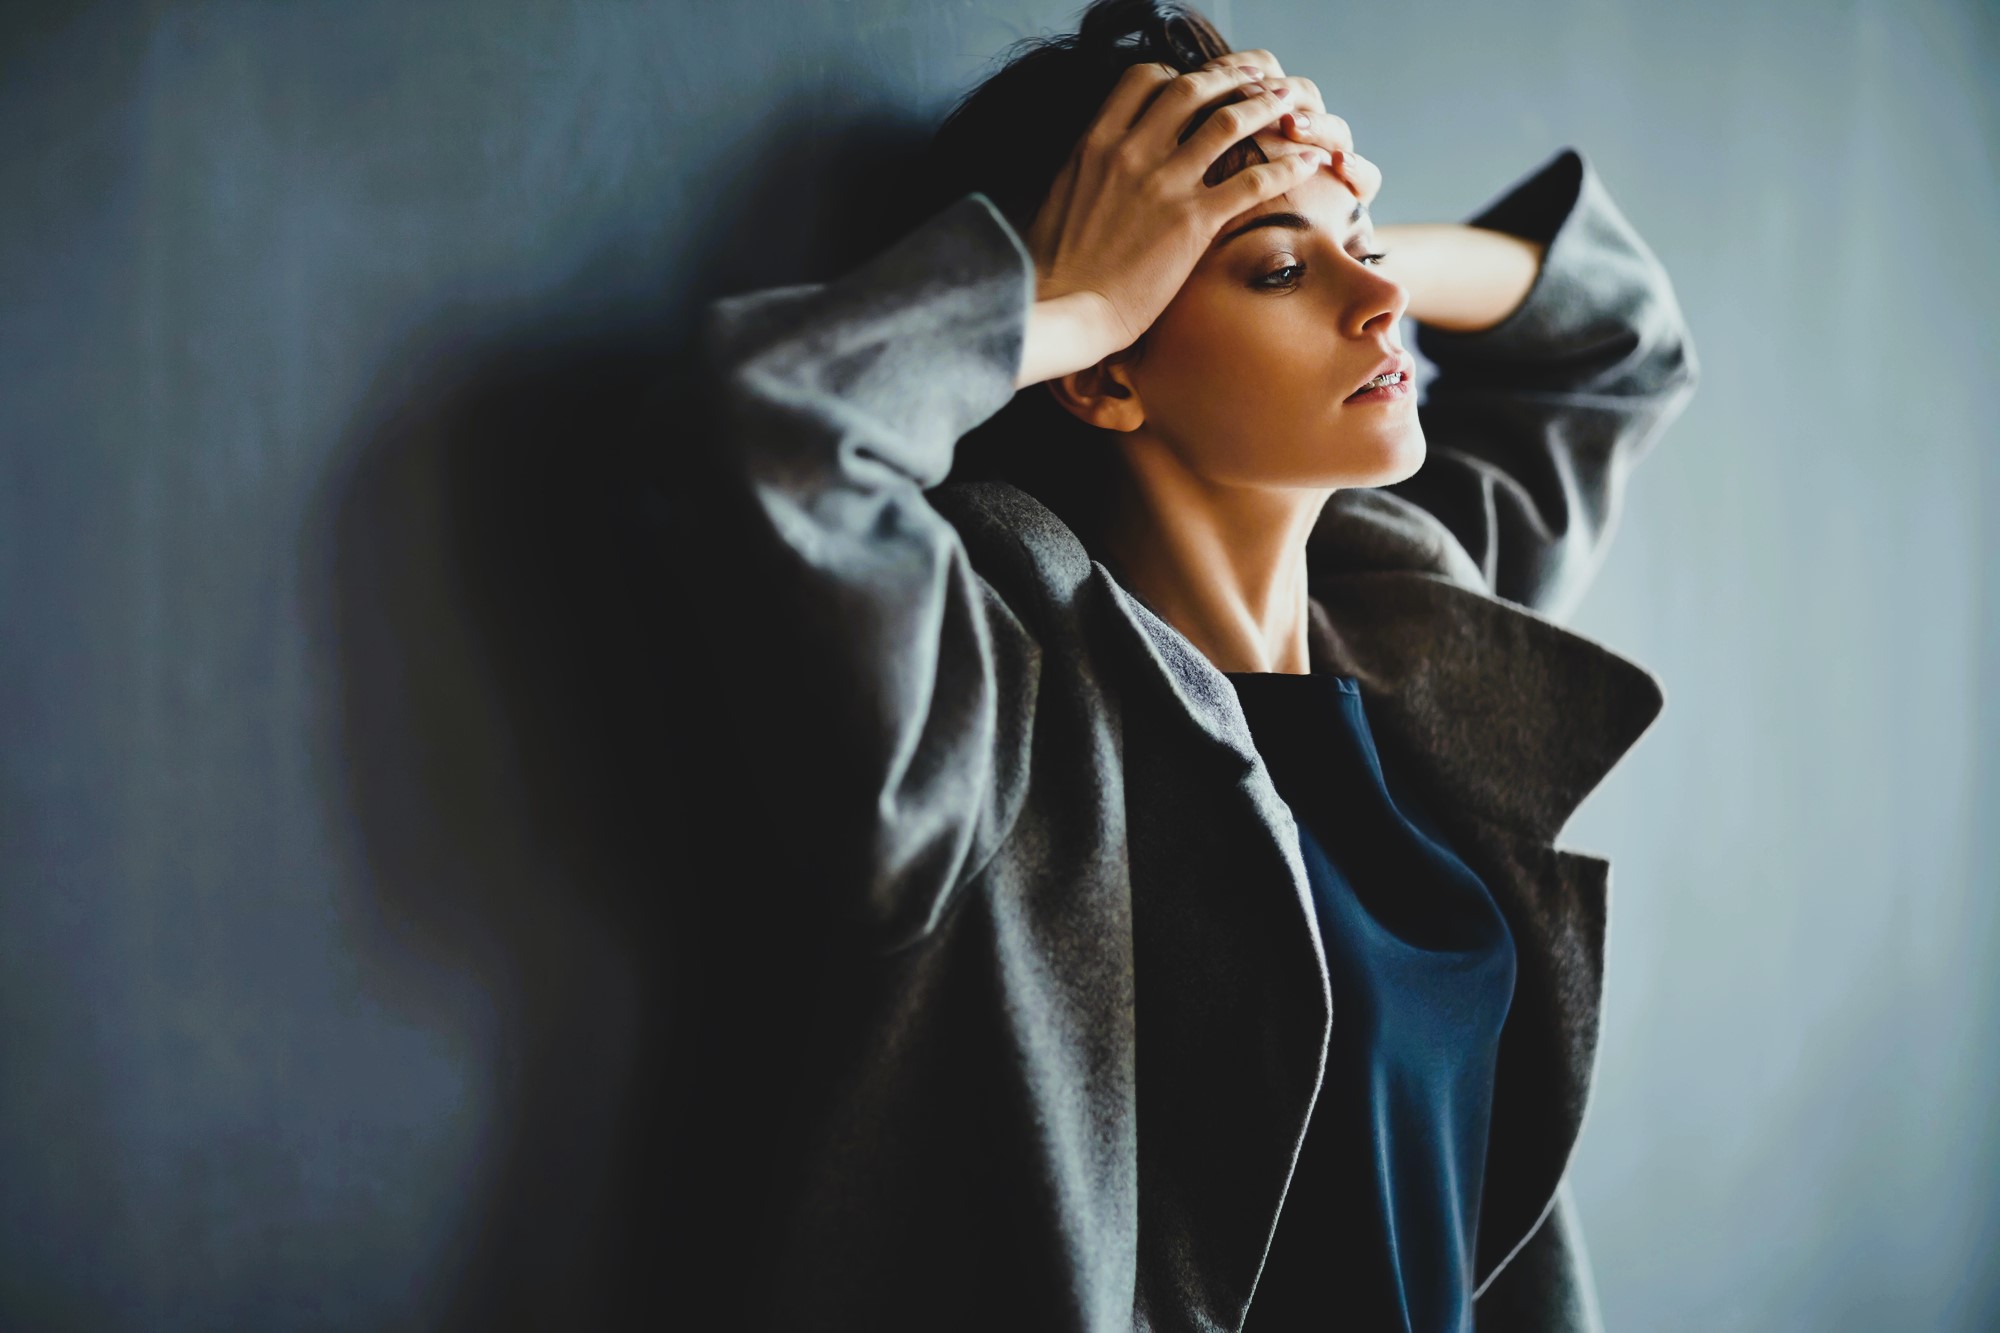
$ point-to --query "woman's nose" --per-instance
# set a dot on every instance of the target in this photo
(1378, 304)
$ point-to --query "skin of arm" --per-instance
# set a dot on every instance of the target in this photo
(1065, 334)
(1461, 279)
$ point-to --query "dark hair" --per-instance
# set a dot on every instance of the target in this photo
(1007, 139)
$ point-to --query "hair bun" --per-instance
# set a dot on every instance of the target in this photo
(1113, 30)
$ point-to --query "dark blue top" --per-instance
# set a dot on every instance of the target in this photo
(1377, 1230)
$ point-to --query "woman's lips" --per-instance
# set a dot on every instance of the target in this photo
(1397, 361)
(1387, 393)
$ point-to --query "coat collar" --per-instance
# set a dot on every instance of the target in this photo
(1504, 713)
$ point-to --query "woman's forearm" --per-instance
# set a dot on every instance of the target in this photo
(1461, 279)
(1065, 334)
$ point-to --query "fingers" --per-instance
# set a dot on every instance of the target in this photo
(1331, 134)
(1266, 180)
(1360, 175)
(1195, 97)
(1309, 120)
(1153, 103)
(1322, 127)
(1257, 61)
(1306, 94)
(1228, 124)
(1161, 103)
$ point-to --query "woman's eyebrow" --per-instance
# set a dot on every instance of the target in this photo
(1290, 221)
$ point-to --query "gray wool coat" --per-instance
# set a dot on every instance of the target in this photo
(1070, 1009)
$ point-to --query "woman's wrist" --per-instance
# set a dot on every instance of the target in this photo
(1065, 334)
(1460, 278)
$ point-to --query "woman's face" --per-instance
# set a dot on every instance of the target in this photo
(1246, 375)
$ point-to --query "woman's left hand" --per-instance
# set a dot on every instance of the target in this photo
(1313, 124)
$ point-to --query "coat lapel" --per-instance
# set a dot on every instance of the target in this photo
(1232, 998)
(1508, 720)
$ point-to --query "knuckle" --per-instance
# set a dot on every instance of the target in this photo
(1231, 121)
(1199, 85)
(1126, 157)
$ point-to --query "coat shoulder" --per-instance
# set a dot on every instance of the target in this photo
(1029, 556)
(1366, 530)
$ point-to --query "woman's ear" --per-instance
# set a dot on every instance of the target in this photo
(1102, 395)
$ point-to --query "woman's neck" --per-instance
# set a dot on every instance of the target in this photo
(1224, 565)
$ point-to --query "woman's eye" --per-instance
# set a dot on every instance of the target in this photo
(1289, 275)
(1282, 277)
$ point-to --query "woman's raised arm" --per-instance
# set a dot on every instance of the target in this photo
(1533, 425)
(860, 662)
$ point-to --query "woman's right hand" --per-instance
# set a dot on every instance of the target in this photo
(1129, 216)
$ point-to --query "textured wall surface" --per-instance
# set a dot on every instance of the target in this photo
(337, 983)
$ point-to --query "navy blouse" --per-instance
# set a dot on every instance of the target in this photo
(1377, 1229)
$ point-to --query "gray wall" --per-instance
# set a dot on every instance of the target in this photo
(338, 983)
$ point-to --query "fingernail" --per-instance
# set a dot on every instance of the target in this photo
(1300, 120)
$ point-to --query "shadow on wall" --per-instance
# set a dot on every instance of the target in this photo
(510, 726)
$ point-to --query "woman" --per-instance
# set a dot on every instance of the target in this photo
(1170, 791)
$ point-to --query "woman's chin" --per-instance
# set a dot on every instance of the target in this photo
(1385, 457)
(1411, 452)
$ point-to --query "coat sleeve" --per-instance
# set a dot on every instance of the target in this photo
(860, 663)
(1533, 425)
